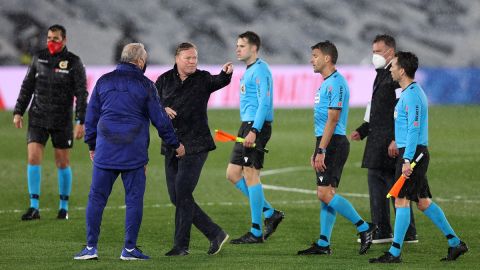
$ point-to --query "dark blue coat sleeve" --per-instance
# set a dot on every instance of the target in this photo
(91, 119)
(160, 119)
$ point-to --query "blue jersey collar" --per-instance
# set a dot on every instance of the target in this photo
(414, 82)
(330, 75)
(253, 63)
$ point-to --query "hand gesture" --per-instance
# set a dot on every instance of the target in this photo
(228, 67)
(18, 121)
(180, 151)
(393, 150)
(407, 169)
(170, 112)
(79, 131)
(320, 163)
(355, 136)
(250, 140)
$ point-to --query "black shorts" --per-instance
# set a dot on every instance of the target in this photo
(250, 157)
(416, 186)
(61, 138)
(335, 158)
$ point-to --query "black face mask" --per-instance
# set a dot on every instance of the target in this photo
(144, 67)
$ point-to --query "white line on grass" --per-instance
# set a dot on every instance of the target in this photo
(167, 205)
(458, 199)
(356, 195)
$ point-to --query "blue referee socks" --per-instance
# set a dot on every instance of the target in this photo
(345, 208)
(328, 215)
(64, 186)
(256, 205)
(34, 176)
(267, 207)
(402, 220)
(435, 213)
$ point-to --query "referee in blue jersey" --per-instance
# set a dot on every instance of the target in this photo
(331, 151)
(256, 113)
(411, 136)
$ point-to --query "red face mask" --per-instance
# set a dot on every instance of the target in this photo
(54, 47)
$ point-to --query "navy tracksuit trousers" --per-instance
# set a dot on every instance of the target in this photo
(100, 189)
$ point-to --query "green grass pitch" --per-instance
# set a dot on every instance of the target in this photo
(50, 244)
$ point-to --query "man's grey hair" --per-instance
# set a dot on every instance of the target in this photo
(132, 52)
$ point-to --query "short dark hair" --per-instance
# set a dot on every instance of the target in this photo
(387, 39)
(183, 47)
(58, 27)
(252, 39)
(408, 61)
(328, 48)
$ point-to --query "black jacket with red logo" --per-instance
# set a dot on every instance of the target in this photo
(54, 81)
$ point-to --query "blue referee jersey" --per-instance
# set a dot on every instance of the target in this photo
(411, 120)
(332, 94)
(256, 94)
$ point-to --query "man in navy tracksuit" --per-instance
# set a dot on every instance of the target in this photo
(117, 123)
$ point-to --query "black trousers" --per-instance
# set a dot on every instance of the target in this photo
(182, 178)
(379, 183)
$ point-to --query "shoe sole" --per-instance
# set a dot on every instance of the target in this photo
(87, 257)
(28, 219)
(313, 254)
(411, 241)
(384, 241)
(221, 245)
(380, 241)
(249, 243)
(131, 259)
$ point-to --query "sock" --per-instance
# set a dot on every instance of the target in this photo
(435, 213)
(328, 216)
(402, 220)
(267, 207)
(256, 204)
(345, 208)
(34, 176)
(64, 186)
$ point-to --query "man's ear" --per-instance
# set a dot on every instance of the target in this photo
(328, 58)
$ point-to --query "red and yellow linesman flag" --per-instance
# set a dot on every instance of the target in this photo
(401, 180)
(222, 136)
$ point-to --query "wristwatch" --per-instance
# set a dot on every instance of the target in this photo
(254, 130)
(321, 150)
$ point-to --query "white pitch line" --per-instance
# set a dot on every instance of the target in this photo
(285, 170)
(167, 205)
(457, 199)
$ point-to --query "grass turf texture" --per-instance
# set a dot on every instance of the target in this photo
(51, 244)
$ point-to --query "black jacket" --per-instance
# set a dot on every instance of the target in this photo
(190, 99)
(53, 80)
(380, 129)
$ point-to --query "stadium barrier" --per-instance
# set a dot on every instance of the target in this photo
(294, 86)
